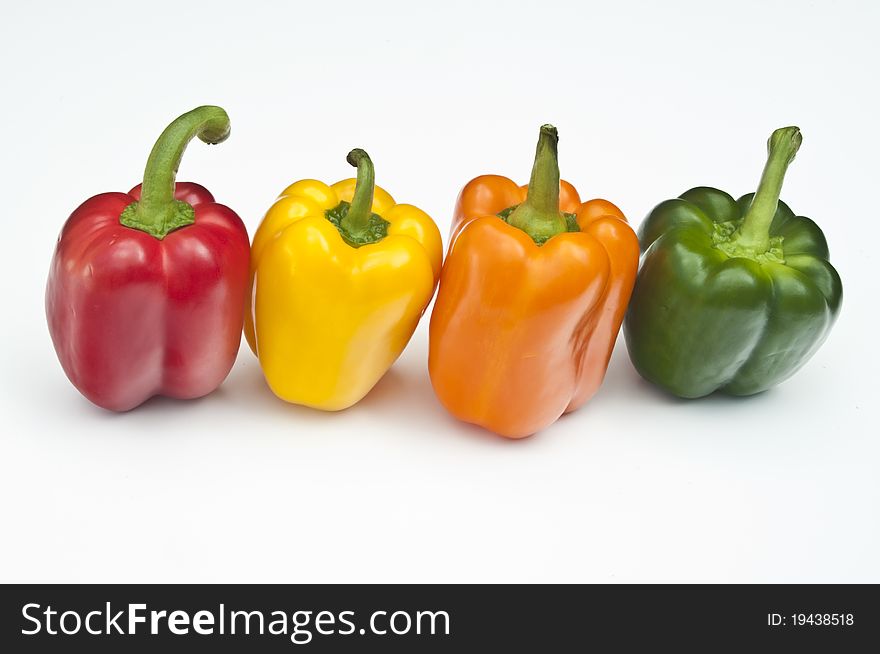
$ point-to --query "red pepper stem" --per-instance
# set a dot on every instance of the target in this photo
(357, 221)
(157, 212)
(754, 233)
(539, 214)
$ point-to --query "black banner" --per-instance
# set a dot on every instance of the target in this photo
(419, 618)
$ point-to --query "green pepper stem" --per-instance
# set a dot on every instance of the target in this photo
(157, 212)
(357, 221)
(539, 214)
(754, 233)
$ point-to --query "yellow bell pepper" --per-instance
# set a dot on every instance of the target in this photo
(340, 276)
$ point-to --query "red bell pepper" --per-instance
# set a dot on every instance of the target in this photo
(146, 289)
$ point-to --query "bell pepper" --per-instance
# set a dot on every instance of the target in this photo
(732, 295)
(146, 288)
(341, 275)
(531, 298)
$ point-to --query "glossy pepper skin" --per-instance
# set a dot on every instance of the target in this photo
(530, 304)
(146, 289)
(341, 275)
(732, 295)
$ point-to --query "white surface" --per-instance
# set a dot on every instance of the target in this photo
(650, 99)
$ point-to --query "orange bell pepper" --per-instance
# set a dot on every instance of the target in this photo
(531, 299)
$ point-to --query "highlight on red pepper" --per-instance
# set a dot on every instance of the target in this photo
(146, 289)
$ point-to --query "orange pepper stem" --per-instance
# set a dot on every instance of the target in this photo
(356, 222)
(539, 215)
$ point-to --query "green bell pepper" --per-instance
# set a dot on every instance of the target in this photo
(732, 295)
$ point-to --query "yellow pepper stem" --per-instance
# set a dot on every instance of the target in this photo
(356, 222)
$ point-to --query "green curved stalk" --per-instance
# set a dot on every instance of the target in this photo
(157, 212)
(754, 233)
(356, 223)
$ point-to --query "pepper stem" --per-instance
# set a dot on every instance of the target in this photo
(356, 222)
(754, 233)
(157, 212)
(539, 215)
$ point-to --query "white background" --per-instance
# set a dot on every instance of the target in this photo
(650, 99)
